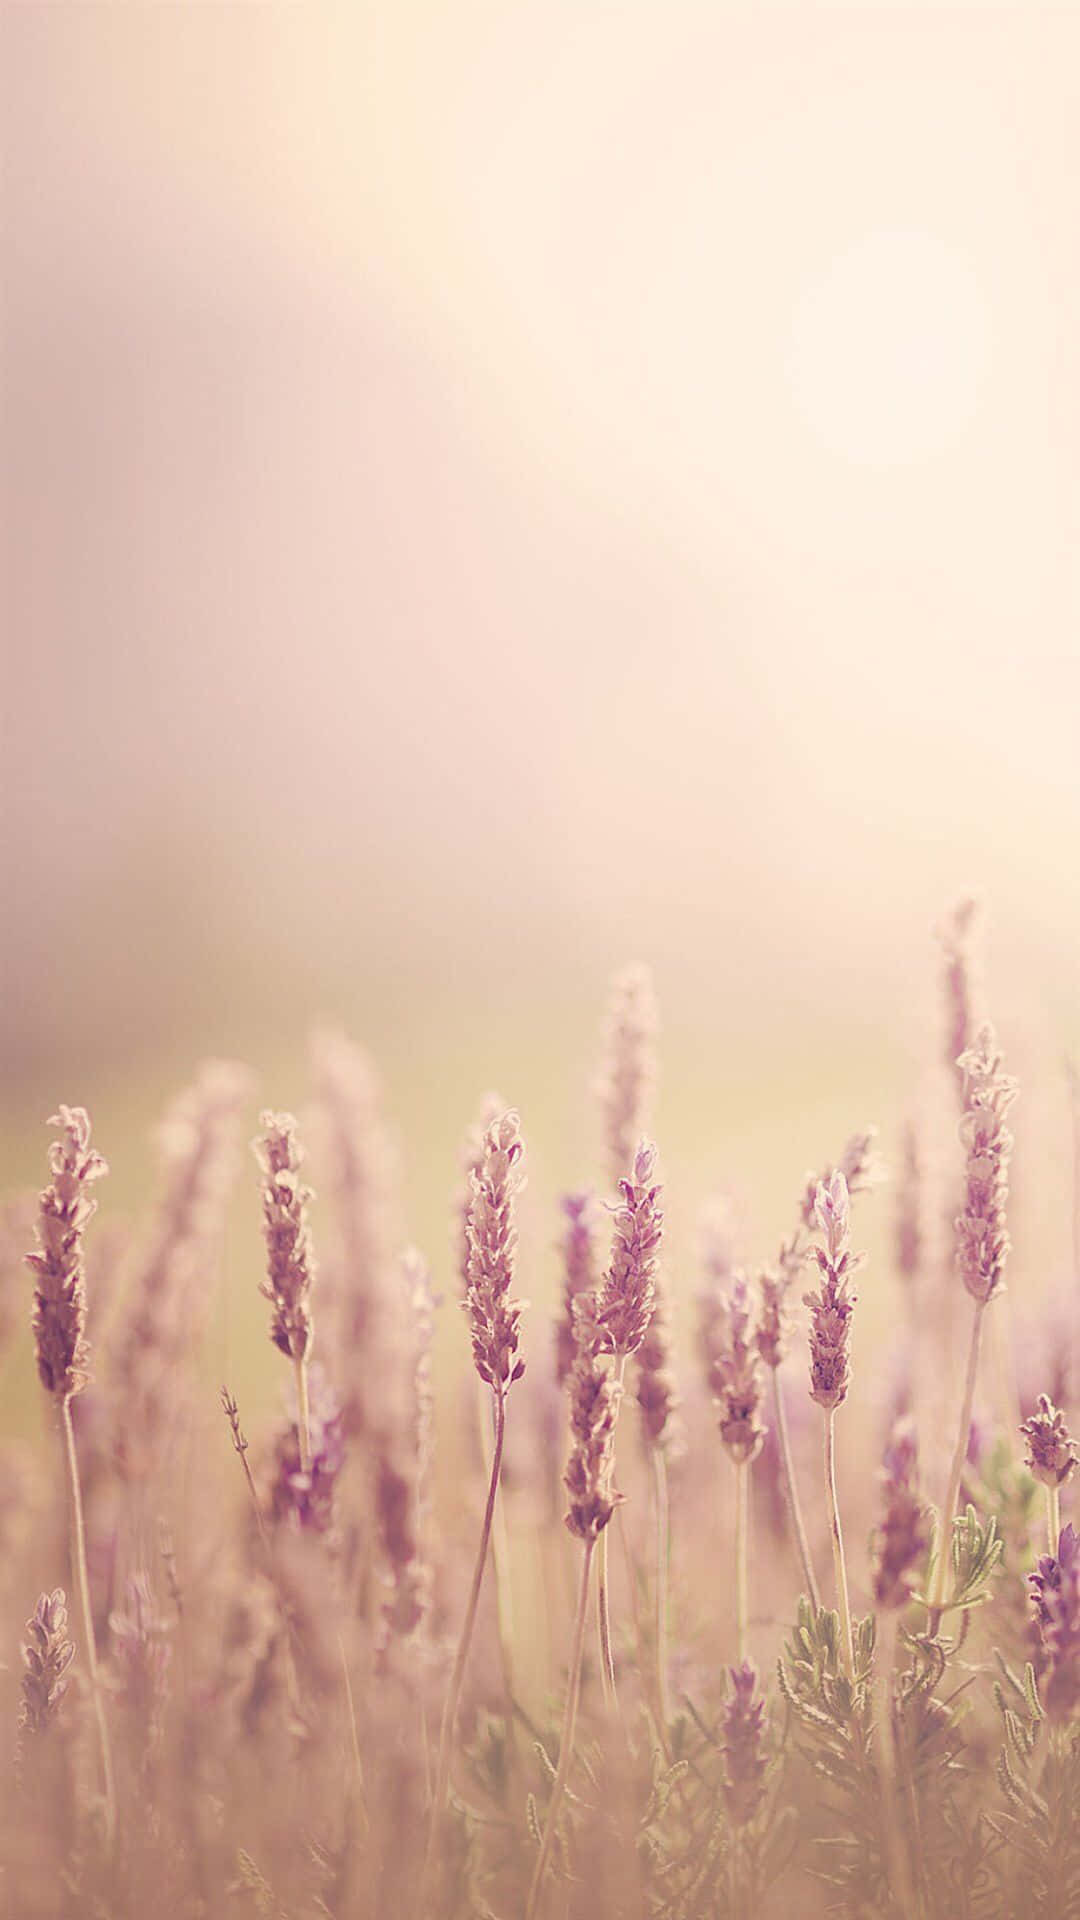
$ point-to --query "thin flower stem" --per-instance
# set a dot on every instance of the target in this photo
(603, 1609)
(78, 1556)
(500, 1567)
(1053, 1517)
(350, 1707)
(603, 1620)
(741, 1586)
(453, 1696)
(839, 1564)
(663, 1538)
(240, 1446)
(791, 1490)
(943, 1557)
(566, 1743)
(303, 1412)
(895, 1846)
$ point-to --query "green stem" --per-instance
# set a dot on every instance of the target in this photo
(82, 1581)
(457, 1677)
(943, 1557)
(839, 1563)
(566, 1743)
(792, 1492)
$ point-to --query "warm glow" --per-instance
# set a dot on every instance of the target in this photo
(890, 349)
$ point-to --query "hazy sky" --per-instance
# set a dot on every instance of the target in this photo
(496, 489)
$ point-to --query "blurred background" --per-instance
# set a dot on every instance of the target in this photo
(494, 491)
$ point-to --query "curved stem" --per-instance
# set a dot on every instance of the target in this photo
(792, 1492)
(303, 1412)
(566, 1743)
(741, 1588)
(943, 1556)
(663, 1535)
(453, 1696)
(82, 1581)
(839, 1563)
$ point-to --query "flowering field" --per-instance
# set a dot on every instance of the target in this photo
(687, 1630)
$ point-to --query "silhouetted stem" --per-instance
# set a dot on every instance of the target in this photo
(839, 1563)
(566, 1743)
(792, 1493)
(78, 1559)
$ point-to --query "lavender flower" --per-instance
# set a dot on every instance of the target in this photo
(356, 1290)
(908, 1222)
(958, 935)
(169, 1297)
(401, 1474)
(1055, 1590)
(628, 1076)
(720, 1269)
(982, 1235)
(493, 1314)
(626, 1297)
(47, 1654)
(774, 1288)
(578, 1248)
(302, 1499)
(1052, 1453)
(657, 1395)
(64, 1209)
(743, 1741)
(736, 1379)
(492, 1107)
(832, 1305)
(861, 1166)
(904, 1537)
(288, 1239)
(594, 1410)
(140, 1638)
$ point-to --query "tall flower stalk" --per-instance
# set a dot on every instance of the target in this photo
(1051, 1457)
(59, 1323)
(290, 1258)
(594, 1405)
(774, 1287)
(658, 1400)
(494, 1317)
(831, 1307)
(624, 1311)
(902, 1543)
(982, 1248)
(736, 1381)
